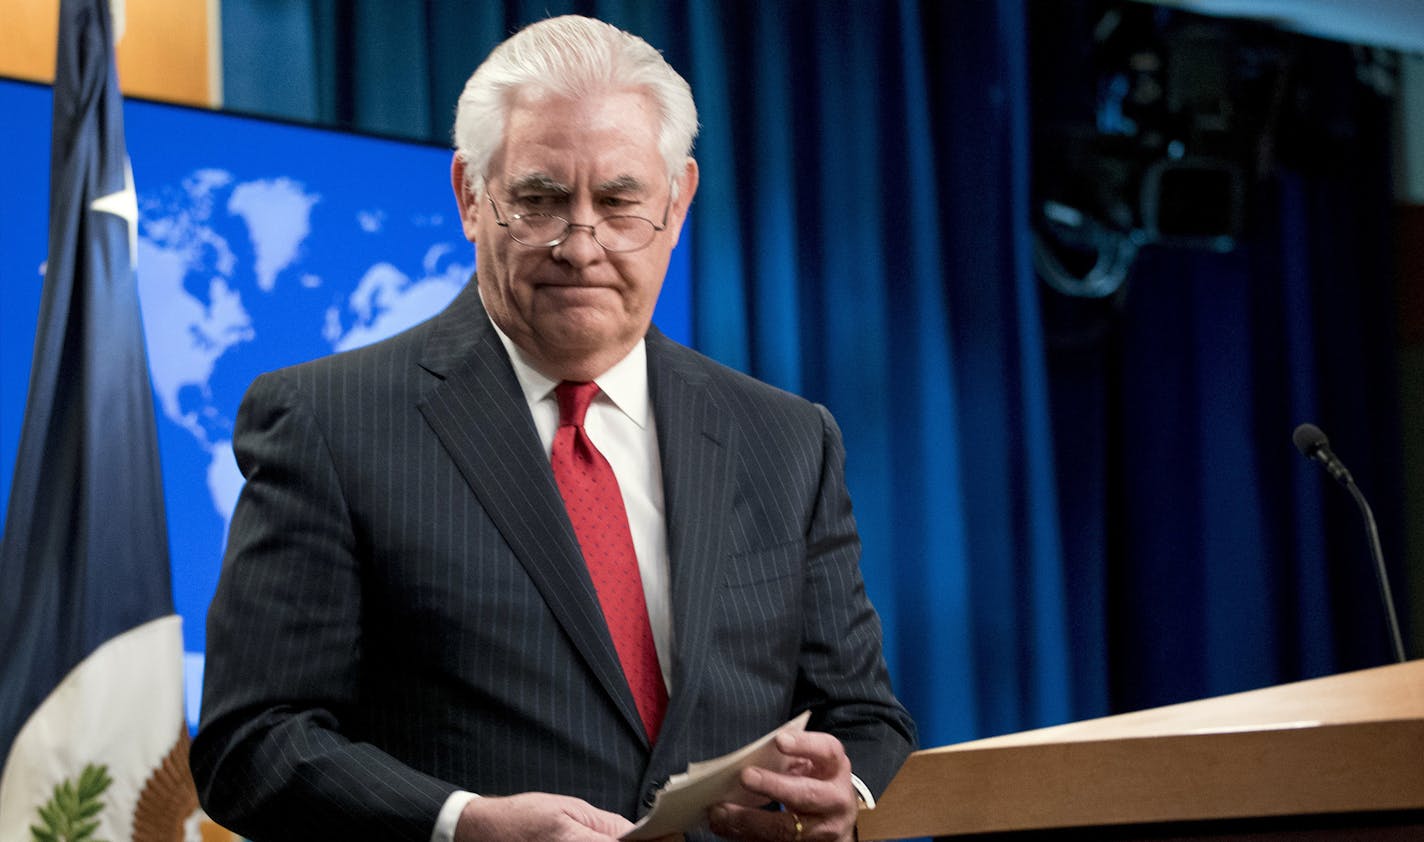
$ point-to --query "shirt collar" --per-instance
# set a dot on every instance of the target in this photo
(625, 384)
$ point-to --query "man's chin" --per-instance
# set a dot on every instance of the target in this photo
(590, 327)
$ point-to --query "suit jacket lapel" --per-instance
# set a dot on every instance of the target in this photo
(695, 440)
(479, 413)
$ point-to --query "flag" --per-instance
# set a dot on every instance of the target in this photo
(92, 730)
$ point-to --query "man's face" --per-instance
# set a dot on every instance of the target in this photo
(575, 308)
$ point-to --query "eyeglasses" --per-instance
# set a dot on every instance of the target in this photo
(618, 233)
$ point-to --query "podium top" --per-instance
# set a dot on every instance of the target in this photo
(1381, 694)
(1340, 744)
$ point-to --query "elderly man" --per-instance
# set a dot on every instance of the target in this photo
(502, 575)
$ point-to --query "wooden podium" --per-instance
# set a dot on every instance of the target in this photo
(1330, 758)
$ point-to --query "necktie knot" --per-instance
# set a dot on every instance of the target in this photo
(574, 399)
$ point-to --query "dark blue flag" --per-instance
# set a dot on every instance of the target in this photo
(91, 670)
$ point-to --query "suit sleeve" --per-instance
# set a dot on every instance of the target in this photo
(842, 675)
(271, 758)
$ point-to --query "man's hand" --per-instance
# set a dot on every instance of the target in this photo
(815, 791)
(537, 816)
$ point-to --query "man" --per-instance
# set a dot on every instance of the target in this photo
(502, 575)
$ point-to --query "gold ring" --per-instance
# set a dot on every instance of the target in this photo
(797, 819)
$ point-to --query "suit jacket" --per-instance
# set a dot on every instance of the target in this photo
(403, 609)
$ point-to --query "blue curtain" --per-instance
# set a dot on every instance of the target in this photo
(1205, 555)
(840, 254)
(1053, 531)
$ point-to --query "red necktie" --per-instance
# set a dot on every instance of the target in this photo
(595, 506)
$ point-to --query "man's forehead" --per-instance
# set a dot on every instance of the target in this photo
(605, 142)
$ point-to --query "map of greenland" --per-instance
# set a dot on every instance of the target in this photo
(278, 217)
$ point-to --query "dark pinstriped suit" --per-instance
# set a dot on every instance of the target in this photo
(404, 611)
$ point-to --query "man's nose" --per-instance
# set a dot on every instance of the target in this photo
(580, 247)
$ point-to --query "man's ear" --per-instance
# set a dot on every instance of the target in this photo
(686, 189)
(464, 197)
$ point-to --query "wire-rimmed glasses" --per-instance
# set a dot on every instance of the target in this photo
(617, 233)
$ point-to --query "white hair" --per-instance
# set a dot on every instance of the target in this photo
(570, 56)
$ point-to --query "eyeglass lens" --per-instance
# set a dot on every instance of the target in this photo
(614, 233)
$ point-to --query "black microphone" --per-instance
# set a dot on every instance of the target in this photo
(1310, 441)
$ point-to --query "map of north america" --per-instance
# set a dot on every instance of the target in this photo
(226, 269)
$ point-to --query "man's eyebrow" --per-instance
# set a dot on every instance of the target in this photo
(539, 181)
(623, 184)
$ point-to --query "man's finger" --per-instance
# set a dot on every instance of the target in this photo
(823, 751)
(798, 792)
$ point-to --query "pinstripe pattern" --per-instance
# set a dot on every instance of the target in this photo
(403, 609)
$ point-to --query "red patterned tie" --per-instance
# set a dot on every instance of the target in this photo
(595, 507)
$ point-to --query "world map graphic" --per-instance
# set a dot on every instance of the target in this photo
(232, 270)
(260, 245)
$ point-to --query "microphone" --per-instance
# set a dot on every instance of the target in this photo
(1311, 442)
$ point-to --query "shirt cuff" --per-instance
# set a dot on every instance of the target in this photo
(450, 816)
(863, 791)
